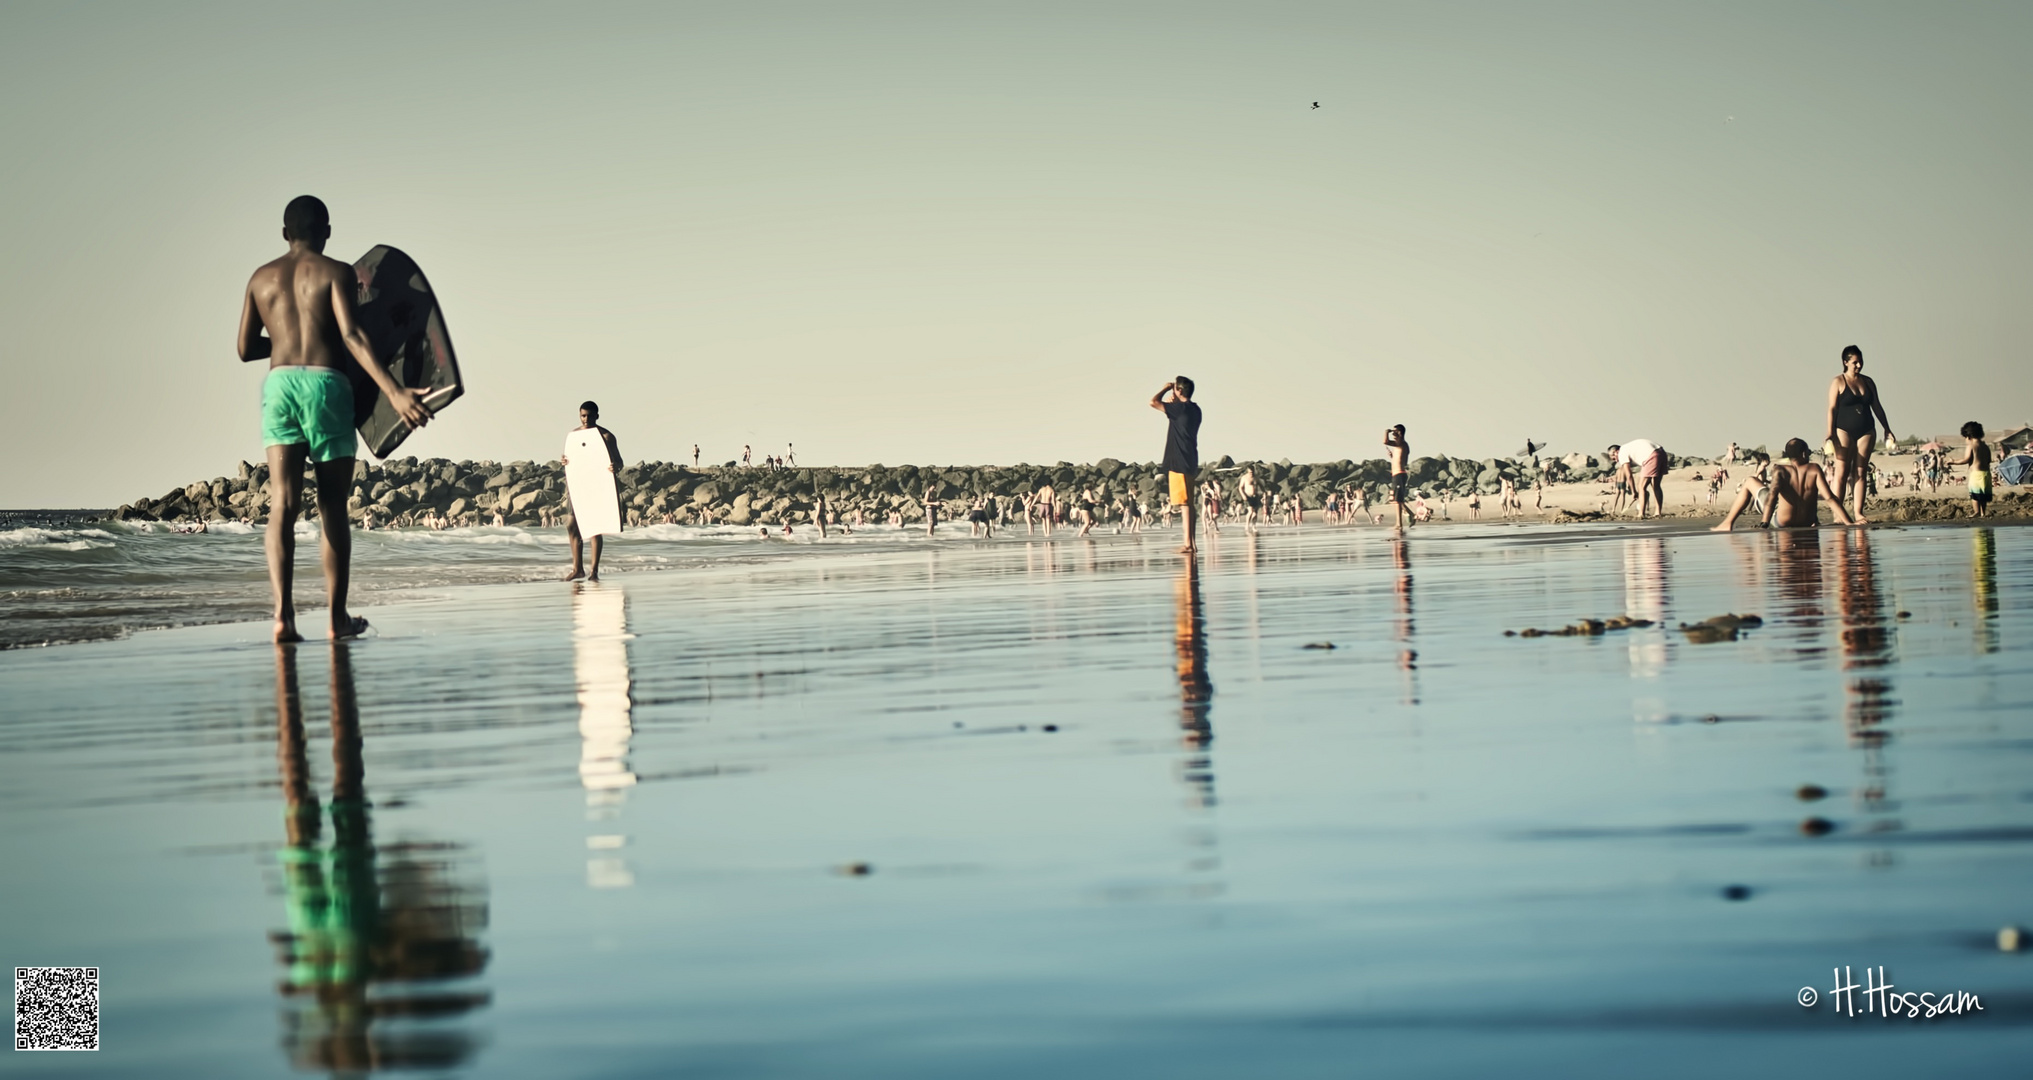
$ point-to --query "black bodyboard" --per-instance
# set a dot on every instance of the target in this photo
(397, 309)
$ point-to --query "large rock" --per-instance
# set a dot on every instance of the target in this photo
(741, 513)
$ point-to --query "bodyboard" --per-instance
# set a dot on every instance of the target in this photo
(596, 504)
(400, 315)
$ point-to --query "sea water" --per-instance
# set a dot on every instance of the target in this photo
(1060, 807)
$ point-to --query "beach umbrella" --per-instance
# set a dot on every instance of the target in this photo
(1931, 446)
(2016, 469)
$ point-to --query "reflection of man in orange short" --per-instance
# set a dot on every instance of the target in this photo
(1196, 690)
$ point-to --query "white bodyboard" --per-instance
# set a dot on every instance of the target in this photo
(595, 505)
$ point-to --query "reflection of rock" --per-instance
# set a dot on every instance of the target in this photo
(1719, 628)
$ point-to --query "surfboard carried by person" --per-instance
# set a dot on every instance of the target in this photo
(589, 420)
(298, 314)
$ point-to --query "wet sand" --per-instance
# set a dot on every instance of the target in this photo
(1060, 808)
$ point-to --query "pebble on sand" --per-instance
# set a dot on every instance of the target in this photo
(1736, 892)
(1810, 792)
(1817, 826)
(2011, 939)
(854, 869)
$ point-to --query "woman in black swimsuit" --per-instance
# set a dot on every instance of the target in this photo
(1852, 402)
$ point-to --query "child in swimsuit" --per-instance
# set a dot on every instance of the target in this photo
(1978, 458)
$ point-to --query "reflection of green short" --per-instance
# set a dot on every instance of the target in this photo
(311, 405)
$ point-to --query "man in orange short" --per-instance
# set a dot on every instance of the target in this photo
(1182, 447)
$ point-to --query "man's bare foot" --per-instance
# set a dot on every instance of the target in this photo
(575, 575)
(352, 627)
(594, 576)
(1724, 527)
(285, 633)
(1188, 550)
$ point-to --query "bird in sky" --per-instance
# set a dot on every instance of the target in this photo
(1316, 104)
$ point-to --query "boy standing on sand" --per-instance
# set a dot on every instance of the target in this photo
(1182, 447)
(305, 303)
(1978, 457)
(1398, 451)
(589, 417)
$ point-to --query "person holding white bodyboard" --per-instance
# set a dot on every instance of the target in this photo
(602, 508)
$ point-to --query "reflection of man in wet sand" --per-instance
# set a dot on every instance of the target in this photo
(1796, 482)
(1196, 689)
(305, 302)
(374, 930)
(589, 417)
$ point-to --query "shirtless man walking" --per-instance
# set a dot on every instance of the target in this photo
(589, 417)
(305, 303)
(1795, 484)
(1398, 451)
(1252, 499)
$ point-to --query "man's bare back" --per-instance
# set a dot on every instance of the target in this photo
(1795, 486)
(305, 303)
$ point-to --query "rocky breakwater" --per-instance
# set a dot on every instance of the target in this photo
(402, 490)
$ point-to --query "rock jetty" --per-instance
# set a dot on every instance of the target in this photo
(524, 492)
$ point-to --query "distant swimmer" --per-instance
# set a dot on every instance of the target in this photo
(1852, 403)
(1398, 450)
(304, 301)
(1790, 501)
(1182, 447)
(589, 417)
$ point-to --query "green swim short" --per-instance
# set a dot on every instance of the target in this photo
(311, 405)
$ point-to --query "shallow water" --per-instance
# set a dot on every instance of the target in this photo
(68, 577)
(1058, 808)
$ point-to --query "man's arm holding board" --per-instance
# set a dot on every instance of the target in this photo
(406, 404)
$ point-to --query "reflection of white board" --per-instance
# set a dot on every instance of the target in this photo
(595, 505)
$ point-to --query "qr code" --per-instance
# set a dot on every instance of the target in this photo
(56, 1008)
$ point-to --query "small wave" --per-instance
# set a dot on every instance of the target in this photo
(62, 539)
(469, 534)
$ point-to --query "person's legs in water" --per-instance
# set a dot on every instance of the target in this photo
(1181, 491)
(335, 542)
(572, 536)
(1852, 451)
(581, 569)
(1746, 495)
(1860, 462)
(285, 496)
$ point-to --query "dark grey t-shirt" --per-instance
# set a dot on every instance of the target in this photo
(1182, 442)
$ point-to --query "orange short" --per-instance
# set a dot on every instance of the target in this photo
(1182, 488)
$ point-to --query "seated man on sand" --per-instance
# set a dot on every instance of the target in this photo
(1796, 482)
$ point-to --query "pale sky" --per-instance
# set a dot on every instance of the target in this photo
(954, 233)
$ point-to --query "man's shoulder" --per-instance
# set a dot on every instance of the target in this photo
(268, 271)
